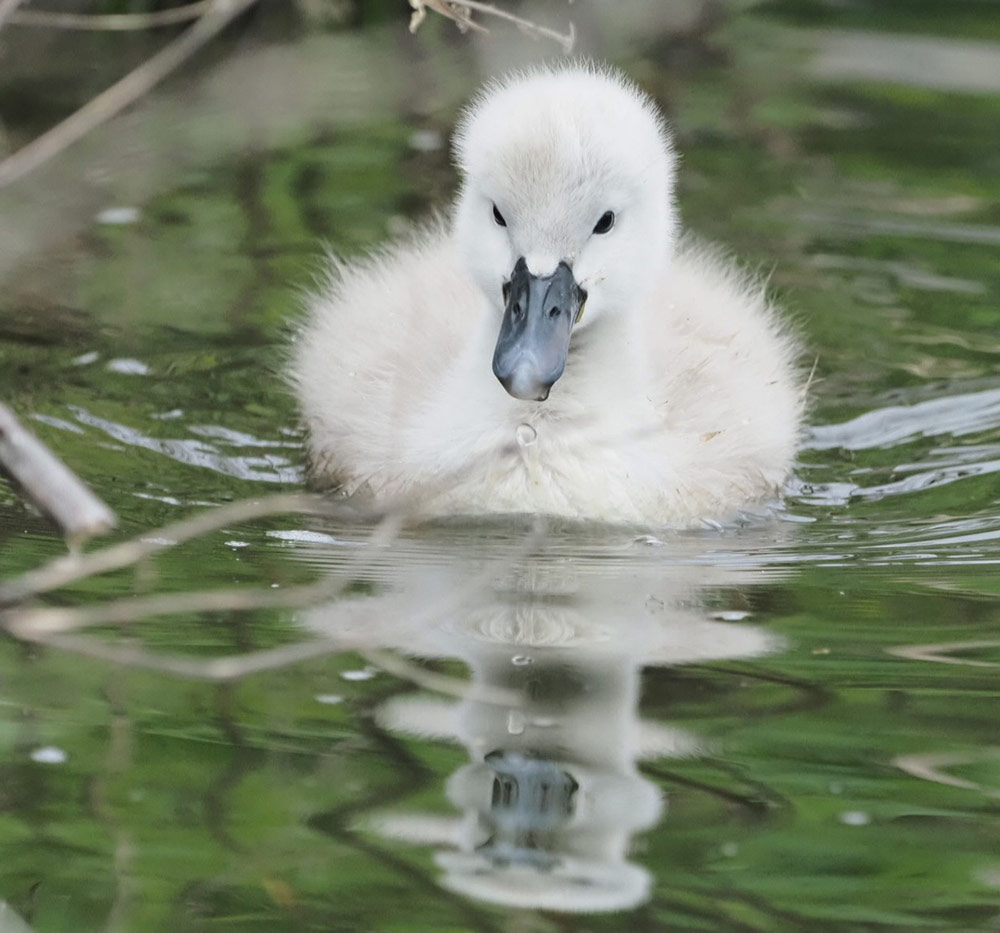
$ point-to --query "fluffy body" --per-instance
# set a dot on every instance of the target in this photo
(679, 400)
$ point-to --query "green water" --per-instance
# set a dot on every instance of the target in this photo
(787, 727)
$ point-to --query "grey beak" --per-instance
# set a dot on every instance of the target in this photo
(537, 323)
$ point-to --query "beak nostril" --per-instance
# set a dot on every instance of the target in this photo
(531, 348)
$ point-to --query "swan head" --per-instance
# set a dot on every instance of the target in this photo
(565, 216)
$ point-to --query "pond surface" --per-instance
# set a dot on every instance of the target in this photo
(791, 725)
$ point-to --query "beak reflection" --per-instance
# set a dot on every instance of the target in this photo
(537, 323)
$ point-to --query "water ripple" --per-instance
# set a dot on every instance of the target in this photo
(956, 415)
(265, 468)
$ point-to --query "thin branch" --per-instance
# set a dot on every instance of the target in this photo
(460, 11)
(72, 567)
(236, 667)
(112, 22)
(453, 11)
(121, 94)
(58, 627)
(231, 667)
(40, 622)
(37, 623)
(567, 40)
(401, 667)
(50, 484)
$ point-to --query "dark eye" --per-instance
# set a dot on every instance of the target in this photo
(606, 222)
(498, 217)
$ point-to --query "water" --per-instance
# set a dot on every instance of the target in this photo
(786, 726)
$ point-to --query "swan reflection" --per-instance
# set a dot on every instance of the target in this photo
(551, 798)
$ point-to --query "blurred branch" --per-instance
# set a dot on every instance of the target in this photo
(235, 667)
(39, 623)
(59, 627)
(398, 666)
(7, 8)
(49, 483)
(121, 94)
(456, 12)
(461, 11)
(112, 22)
(231, 667)
(74, 567)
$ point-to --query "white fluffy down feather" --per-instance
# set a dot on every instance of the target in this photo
(680, 399)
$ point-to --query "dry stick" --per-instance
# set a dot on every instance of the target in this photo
(227, 668)
(236, 667)
(450, 9)
(7, 8)
(74, 567)
(50, 625)
(39, 622)
(567, 41)
(112, 22)
(121, 94)
(398, 666)
(50, 484)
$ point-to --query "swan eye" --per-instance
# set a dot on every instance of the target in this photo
(606, 222)
(498, 217)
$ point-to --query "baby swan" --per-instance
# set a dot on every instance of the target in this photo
(554, 349)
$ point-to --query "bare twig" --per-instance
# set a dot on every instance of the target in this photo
(231, 667)
(566, 40)
(58, 626)
(7, 8)
(121, 94)
(456, 12)
(74, 567)
(37, 623)
(112, 22)
(50, 484)
(460, 11)
(235, 667)
(404, 669)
